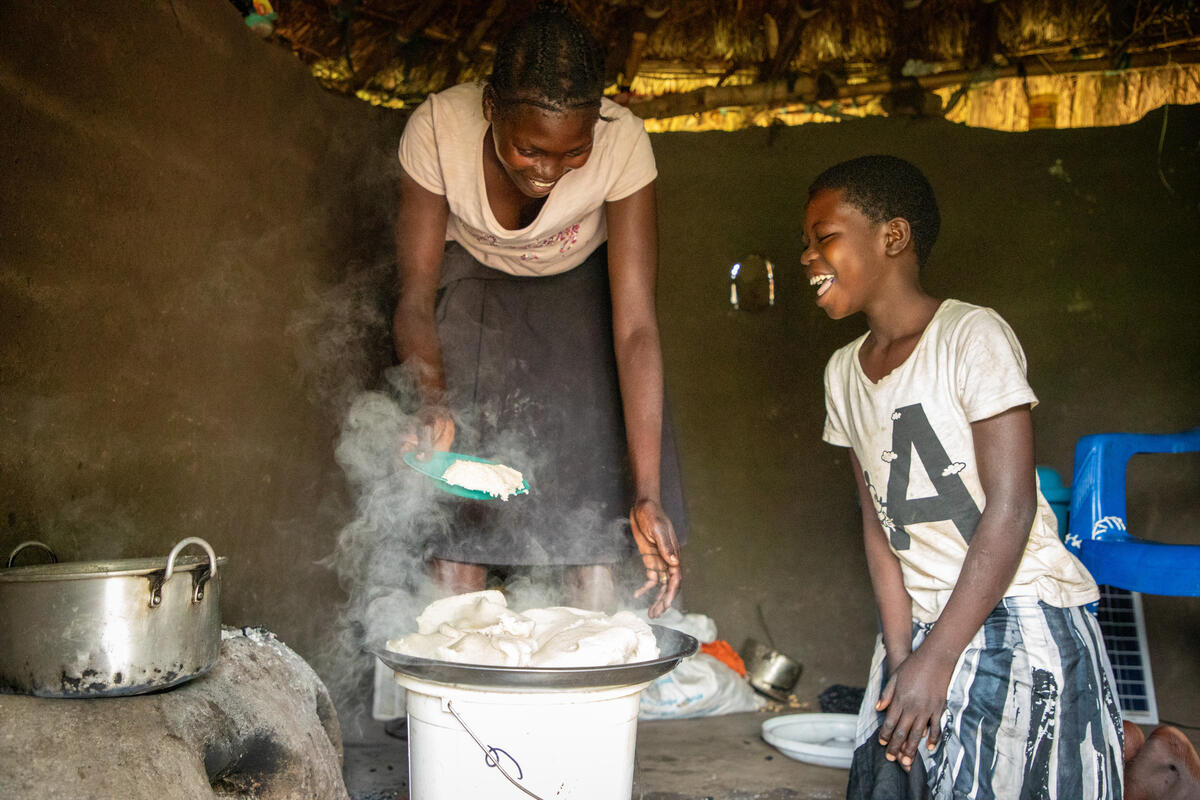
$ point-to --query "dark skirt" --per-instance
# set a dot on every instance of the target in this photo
(532, 382)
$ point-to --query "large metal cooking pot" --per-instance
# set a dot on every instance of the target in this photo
(109, 628)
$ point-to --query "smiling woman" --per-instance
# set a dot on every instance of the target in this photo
(529, 149)
(527, 248)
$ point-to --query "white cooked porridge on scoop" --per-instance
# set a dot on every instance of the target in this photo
(480, 628)
(494, 479)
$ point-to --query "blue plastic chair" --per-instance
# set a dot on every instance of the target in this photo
(1097, 520)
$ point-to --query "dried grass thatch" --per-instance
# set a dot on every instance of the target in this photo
(786, 61)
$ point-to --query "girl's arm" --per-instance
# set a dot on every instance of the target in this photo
(420, 239)
(916, 695)
(632, 269)
(891, 598)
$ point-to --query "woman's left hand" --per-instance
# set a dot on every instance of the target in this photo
(659, 549)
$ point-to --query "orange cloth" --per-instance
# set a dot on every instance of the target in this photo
(723, 652)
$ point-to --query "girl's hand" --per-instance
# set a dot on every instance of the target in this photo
(915, 697)
(659, 549)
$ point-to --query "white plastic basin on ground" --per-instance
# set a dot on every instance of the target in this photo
(823, 739)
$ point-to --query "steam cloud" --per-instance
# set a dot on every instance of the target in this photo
(382, 555)
(380, 558)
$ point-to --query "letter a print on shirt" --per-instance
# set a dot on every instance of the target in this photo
(911, 430)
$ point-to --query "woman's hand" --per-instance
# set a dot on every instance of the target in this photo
(659, 549)
(915, 697)
(432, 428)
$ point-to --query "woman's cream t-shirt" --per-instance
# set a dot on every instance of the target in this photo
(442, 150)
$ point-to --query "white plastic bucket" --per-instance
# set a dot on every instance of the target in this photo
(574, 744)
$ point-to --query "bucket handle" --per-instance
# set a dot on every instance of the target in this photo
(490, 754)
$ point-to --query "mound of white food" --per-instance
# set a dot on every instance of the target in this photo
(480, 628)
(494, 479)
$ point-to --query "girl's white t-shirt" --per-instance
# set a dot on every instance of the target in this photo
(442, 150)
(912, 434)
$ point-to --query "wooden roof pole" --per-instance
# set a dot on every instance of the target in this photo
(644, 25)
(466, 53)
(494, 10)
(804, 88)
(940, 80)
(789, 43)
(417, 20)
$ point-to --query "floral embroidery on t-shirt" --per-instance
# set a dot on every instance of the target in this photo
(566, 239)
(482, 237)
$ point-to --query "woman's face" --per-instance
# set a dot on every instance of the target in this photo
(537, 147)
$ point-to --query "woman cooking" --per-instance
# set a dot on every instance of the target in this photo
(542, 338)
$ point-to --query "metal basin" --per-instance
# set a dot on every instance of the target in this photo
(673, 646)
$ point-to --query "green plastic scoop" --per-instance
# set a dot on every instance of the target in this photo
(435, 467)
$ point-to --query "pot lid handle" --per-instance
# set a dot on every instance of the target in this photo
(31, 543)
(212, 556)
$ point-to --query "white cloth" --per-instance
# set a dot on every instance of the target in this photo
(442, 150)
(912, 434)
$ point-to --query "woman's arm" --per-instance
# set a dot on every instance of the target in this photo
(420, 239)
(891, 598)
(632, 269)
(1004, 453)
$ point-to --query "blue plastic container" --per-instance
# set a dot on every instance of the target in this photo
(1057, 495)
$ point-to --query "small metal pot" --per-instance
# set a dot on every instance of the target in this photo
(109, 628)
(770, 671)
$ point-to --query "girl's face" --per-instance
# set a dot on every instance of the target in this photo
(842, 248)
(537, 147)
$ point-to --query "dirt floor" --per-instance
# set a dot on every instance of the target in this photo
(718, 758)
(714, 758)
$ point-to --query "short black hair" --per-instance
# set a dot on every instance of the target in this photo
(884, 187)
(548, 59)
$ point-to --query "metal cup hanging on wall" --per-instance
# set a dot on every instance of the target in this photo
(752, 284)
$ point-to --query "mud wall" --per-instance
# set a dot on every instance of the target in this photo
(186, 216)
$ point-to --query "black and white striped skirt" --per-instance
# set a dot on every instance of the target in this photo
(1031, 712)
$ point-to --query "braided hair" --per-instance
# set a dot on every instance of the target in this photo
(884, 187)
(549, 60)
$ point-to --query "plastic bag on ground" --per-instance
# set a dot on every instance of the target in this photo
(701, 686)
(698, 625)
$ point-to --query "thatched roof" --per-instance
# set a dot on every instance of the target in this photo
(783, 60)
